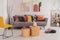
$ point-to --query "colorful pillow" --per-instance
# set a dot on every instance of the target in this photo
(40, 18)
(25, 18)
(29, 18)
(21, 19)
(16, 18)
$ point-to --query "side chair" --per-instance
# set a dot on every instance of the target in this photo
(5, 27)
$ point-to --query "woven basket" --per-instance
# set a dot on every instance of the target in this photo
(25, 32)
(35, 30)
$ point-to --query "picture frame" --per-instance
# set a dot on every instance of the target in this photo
(55, 18)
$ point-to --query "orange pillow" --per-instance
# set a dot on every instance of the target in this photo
(40, 18)
(25, 18)
(29, 18)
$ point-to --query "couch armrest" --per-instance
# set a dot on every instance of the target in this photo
(45, 19)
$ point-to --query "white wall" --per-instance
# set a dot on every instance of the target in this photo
(1, 7)
(3, 10)
(46, 7)
(15, 4)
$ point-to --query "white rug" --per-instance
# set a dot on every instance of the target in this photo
(42, 36)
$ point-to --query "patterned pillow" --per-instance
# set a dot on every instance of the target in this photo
(16, 18)
(25, 18)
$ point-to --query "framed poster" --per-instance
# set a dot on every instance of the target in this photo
(55, 18)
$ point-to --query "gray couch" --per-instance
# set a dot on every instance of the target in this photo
(27, 24)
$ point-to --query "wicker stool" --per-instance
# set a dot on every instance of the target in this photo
(25, 32)
(35, 30)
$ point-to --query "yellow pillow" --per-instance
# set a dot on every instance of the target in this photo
(29, 18)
